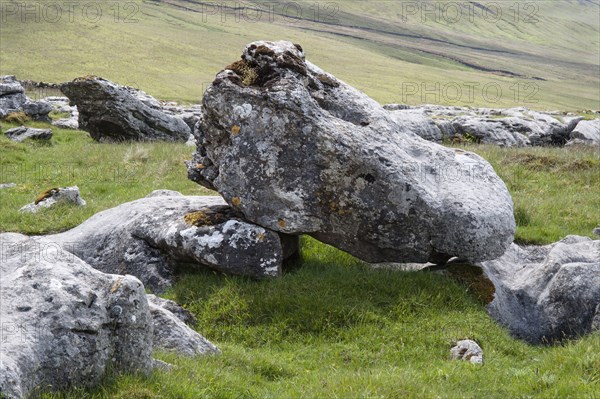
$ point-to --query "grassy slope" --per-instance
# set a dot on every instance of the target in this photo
(171, 53)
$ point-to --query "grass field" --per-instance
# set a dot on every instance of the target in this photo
(544, 57)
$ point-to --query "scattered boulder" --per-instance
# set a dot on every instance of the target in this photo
(298, 151)
(190, 114)
(13, 99)
(547, 293)
(172, 334)
(20, 134)
(53, 196)
(110, 112)
(586, 133)
(64, 323)
(61, 105)
(596, 231)
(149, 238)
(7, 185)
(467, 350)
(415, 121)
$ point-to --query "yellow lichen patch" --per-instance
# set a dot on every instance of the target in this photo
(46, 194)
(281, 223)
(236, 201)
(198, 219)
(261, 237)
(245, 71)
(235, 130)
(476, 282)
(116, 285)
(200, 166)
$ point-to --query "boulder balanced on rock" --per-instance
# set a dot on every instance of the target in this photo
(298, 151)
(110, 112)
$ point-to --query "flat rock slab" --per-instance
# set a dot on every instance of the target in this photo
(111, 112)
(150, 237)
(298, 151)
(20, 134)
(54, 196)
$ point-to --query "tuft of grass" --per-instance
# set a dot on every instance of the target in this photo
(18, 117)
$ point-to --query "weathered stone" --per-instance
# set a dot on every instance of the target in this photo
(149, 238)
(547, 293)
(298, 151)
(20, 134)
(467, 350)
(12, 95)
(586, 133)
(38, 110)
(172, 334)
(49, 198)
(7, 185)
(110, 112)
(64, 323)
(415, 121)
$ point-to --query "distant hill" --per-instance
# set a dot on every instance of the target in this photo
(539, 54)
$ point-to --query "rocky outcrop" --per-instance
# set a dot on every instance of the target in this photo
(468, 351)
(190, 114)
(298, 151)
(64, 323)
(53, 196)
(512, 127)
(586, 133)
(61, 105)
(20, 134)
(149, 238)
(13, 99)
(110, 112)
(547, 293)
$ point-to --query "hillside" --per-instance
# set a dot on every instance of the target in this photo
(543, 55)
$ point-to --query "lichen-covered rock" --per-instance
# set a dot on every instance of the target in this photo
(64, 323)
(298, 151)
(110, 112)
(467, 350)
(20, 134)
(53, 196)
(547, 293)
(13, 99)
(150, 237)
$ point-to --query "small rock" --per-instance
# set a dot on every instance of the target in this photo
(596, 231)
(467, 350)
(19, 134)
(7, 185)
(586, 133)
(55, 195)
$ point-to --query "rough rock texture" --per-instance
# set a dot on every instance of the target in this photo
(53, 196)
(110, 112)
(512, 127)
(190, 114)
(13, 99)
(22, 133)
(298, 151)
(172, 334)
(547, 293)
(61, 104)
(586, 133)
(467, 350)
(150, 237)
(65, 323)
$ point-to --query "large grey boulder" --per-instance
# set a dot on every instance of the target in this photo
(547, 293)
(298, 151)
(415, 121)
(149, 238)
(64, 323)
(20, 134)
(111, 112)
(586, 133)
